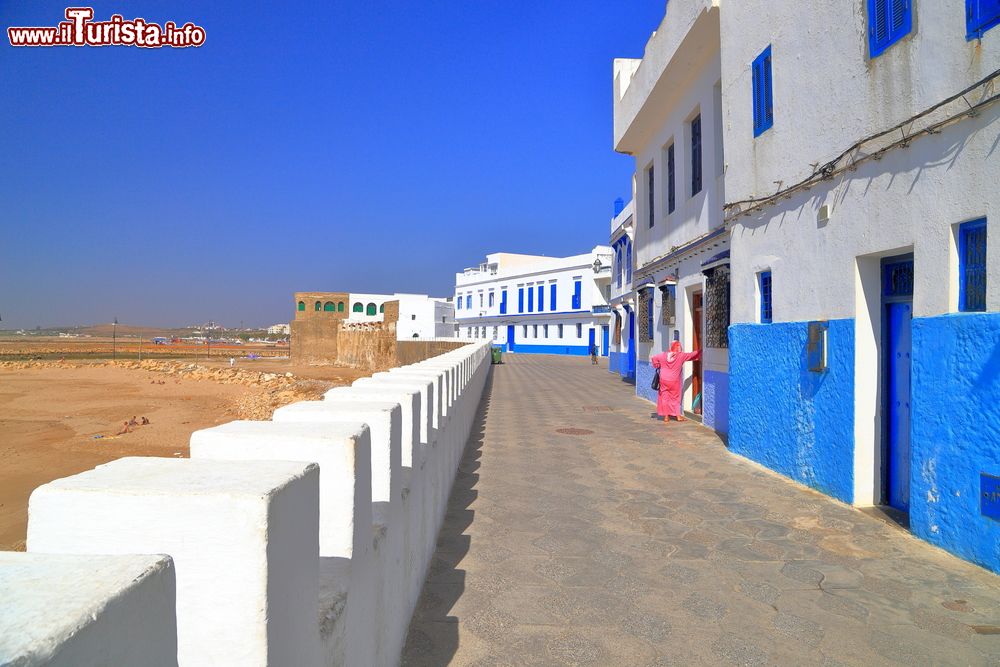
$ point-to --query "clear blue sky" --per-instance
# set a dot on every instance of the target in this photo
(375, 145)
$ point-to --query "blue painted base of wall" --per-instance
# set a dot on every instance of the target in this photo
(643, 380)
(572, 350)
(613, 362)
(955, 432)
(794, 421)
(715, 401)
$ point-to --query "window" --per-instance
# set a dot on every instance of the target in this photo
(980, 16)
(763, 107)
(329, 307)
(577, 287)
(541, 298)
(494, 333)
(671, 179)
(649, 189)
(371, 310)
(579, 330)
(520, 300)
(888, 21)
(358, 307)
(381, 308)
(468, 332)
(491, 299)
(766, 311)
(483, 332)
(503, 302)
(317, 306)
(524, 331)
(458, 303)
(649, 320)
(534, 331)
(302, 305)
(413, 317)
(340, 306)
(560, 331)
(468, 301)
(545, 331)
(628, 260)
(480, 299)
(696, 155)
(552, 296)
(531, 298)
(972, 266)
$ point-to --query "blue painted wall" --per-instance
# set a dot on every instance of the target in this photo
(715, 401)
(573, 350)
(614, 361)
(955, 432)
(643, 380)
(787, 418)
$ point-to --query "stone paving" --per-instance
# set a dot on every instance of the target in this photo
(581, 531)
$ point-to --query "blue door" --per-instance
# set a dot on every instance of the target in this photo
(898, 348)
(631, 347)
(591, 340)
(605, 339)
(897, 299)
(510, 337)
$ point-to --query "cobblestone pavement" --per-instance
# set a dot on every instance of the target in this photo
(626, 541)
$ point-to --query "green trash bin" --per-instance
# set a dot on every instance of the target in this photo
(497, 353)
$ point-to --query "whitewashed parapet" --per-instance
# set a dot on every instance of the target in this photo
(244, 536)
(87, 611)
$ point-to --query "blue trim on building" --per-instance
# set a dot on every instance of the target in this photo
(613, 362)
(644, 380)
(572, 350)
(955, 432)
(715, 401)
(795, 421)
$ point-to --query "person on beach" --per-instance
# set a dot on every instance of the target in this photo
(671, 365)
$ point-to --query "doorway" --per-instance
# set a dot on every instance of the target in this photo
(510, 337)
(897, 316)
(697, 313)
(605, 339)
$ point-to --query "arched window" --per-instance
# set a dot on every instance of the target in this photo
(319, 306)
(381, 308)
(358, 307)
(329, 307)
(340, 307)
(372, 310)
(302, 305)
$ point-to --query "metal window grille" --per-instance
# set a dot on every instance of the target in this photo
(972, 246)
(717, 307)
(696, 155)
(766, 311)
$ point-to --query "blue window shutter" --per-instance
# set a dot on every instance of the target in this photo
(541, 298)
(763, 98)
(766, 309)
(552, 296)
(980, 16)
(531, 299)
(972, 266)
(768, 96)
(757, 101)
(888, 21)
(503, 302)
(520, 299)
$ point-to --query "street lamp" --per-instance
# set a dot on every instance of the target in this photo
(597, 265)
(114, 340)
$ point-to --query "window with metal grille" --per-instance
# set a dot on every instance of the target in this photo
(897, 278)
(668, 304)
(649, 189)
(644, 314)
(696, 155)
(649, 316)
(888, 22)
(766, 311)
(717, 307)
(972, 266)
(980, 16)
(763, 107)
(671, 178)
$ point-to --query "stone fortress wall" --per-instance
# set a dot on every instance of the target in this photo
(245, 554)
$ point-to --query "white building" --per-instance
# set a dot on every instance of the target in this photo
(535, 304)
(668, 116)
(862, 179)
(420, 316)
(279, 330)
(621, 358)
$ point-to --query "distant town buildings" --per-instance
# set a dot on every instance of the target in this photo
(279, 330)
(536, 304)
(814, 213)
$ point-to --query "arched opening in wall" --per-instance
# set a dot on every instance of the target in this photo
(381, 308)
(340, 306)
(358, 307)
(372, 310)
(302, 305)
(329, 307)
(318, 307)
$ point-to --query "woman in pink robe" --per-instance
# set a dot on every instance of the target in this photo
(671, 365)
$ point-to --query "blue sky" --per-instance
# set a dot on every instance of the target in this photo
(371, 145)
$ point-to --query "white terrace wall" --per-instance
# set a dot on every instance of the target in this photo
(303, 540)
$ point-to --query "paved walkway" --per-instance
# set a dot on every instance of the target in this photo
(631, 542)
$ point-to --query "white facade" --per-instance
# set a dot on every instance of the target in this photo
(535, 304)
(420, 316)
(668, 116)
(279, 330)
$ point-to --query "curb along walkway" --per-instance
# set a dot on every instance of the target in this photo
(582, 532)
